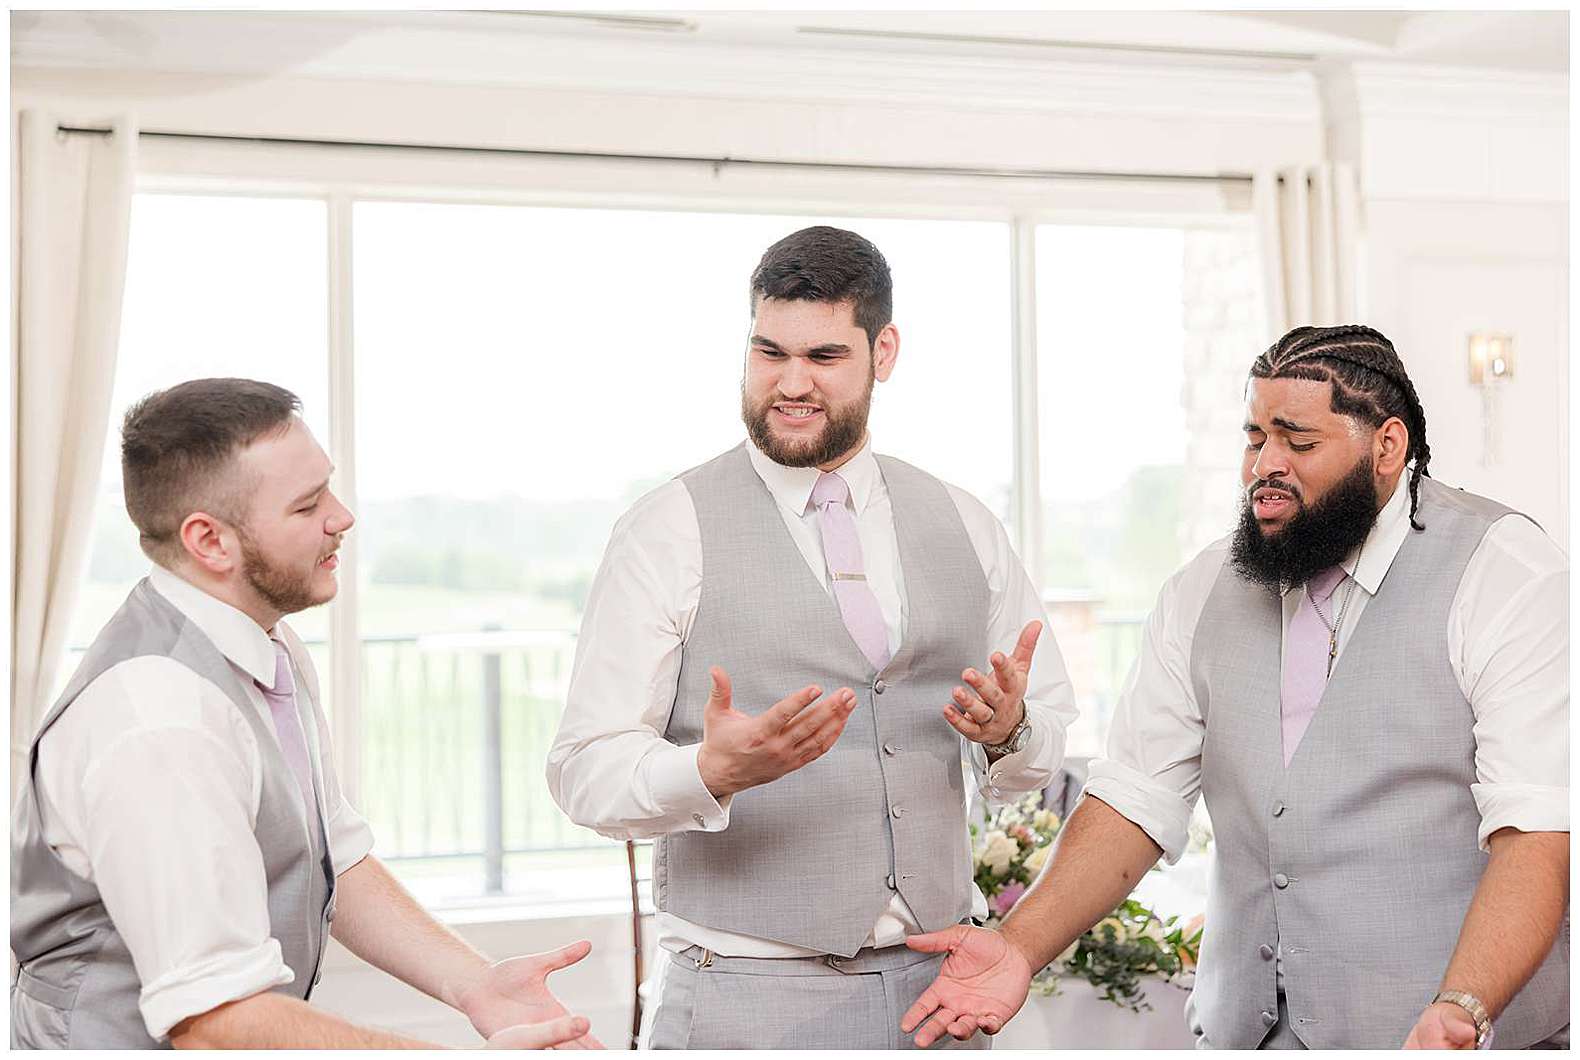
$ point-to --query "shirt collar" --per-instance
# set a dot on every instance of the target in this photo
(1369, 563)
(238, 637)
(1377, 552)
(792, 486)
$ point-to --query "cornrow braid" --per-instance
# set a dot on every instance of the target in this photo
(1369, 383)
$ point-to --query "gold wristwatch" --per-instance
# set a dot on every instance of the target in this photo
(1478, 1012)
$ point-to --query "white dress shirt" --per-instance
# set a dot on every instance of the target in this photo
(149, 787)
(610, 769)
(1508, 642)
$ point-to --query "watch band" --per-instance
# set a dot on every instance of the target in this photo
(1017, 736)
(1478, 1012)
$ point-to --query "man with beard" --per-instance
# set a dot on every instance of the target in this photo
(1369, 686)
(775, 676)
(180, 845)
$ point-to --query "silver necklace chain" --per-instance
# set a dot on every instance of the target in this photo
(1338, 619)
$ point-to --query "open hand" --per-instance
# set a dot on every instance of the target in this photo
(511, 1001)
(982, 983)
(1443, 1026)
(997, 702)
(740, 751)
(563, 1033)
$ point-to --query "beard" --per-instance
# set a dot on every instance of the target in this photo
(282, 587)
(843, 429)
(1315, 539)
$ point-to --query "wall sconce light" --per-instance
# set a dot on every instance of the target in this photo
(1491, 365)
(1491, 357)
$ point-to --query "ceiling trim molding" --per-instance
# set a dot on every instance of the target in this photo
(359, 47)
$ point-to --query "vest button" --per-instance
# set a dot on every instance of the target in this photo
(890, 882)
(1266, 951)
(1280, 881)
(897, 811)
(891, 749)
(1268, 1019)
(1278, 809)
(879, 687)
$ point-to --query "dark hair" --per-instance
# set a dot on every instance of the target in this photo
(1369, 383)
(823, 264)
(176, 445)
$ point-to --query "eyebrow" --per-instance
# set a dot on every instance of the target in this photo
(310, 493)
(827, 347)
(1278, 421)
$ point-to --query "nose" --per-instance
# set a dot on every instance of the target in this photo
(340, 518)
(795, 379)
(1271, 462)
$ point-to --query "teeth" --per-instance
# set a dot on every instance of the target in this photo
(798, 413)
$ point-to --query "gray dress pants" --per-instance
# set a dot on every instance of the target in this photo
(711, 1002)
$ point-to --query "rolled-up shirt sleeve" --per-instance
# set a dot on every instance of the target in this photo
(164, 817)
(1509, 635)
(1152, 772)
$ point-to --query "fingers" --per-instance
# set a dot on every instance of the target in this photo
(935, 1027)
(719, 697)
(566, 956)
(963, 1027)
(964, 726)
(823, 738)
(780, 714)
(924, 1005)
(1027, 642)
(933, 942)
(815, 718)
(540, 1035)
(990, 692)
(990, 1024)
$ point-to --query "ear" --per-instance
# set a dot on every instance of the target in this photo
(885, 351)
(209, 543)
(1390, 447)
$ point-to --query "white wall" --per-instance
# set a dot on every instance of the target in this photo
(1465, 187)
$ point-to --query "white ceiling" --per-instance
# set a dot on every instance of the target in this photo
(478, 44)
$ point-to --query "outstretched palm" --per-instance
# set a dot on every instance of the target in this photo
(516, 991)
(982, 983)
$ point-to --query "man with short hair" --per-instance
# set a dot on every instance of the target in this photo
(1368, 683)
(769, 679)
(180, 846)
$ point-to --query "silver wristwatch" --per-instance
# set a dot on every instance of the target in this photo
(1478, 1012)
(1016, 739)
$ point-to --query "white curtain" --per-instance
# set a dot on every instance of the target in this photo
(1309, 221)
(73, 222)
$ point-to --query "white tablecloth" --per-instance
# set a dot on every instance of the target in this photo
(1078, 1019)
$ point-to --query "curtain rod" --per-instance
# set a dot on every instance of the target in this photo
(717, 162)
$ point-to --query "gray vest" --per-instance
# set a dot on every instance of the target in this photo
(813, 858)
(1359, 859)
(76, 986)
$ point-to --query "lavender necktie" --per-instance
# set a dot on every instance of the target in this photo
(842, 552)
(1306, 652)
(281, 697)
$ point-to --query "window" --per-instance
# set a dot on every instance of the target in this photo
(215, 286)
(522, 373)
(1143, 339)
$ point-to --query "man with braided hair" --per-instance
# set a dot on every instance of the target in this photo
(1368, 683)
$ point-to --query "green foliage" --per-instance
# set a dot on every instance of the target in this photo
(1125, 946)
(1118, 951)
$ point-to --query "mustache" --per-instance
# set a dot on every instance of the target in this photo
(1272, 483)
(333, 549)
